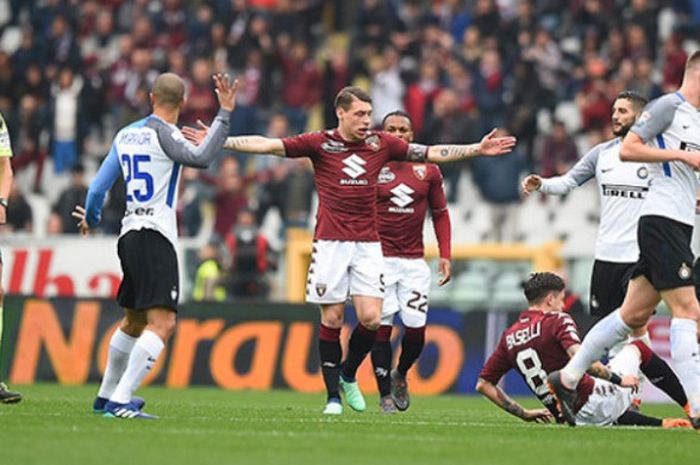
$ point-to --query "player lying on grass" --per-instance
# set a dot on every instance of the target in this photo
(542, 340)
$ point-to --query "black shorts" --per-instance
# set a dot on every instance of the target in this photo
(665, 258)
(149, 264)
(609, 282)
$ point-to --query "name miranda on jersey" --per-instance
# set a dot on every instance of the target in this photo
(135, 138)
(523, 336)
(629, 192)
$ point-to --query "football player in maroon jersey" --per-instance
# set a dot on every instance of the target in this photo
(347, 257)
(405, 191)
(544, 338)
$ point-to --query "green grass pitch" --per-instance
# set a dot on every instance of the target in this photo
(54, 426)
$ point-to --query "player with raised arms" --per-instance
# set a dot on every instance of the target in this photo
(405, 192)
(149, 155)
(347, 257)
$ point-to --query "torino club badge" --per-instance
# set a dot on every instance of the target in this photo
(373, 142)
(420, 171)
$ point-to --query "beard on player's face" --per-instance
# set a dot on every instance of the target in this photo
(621, 130)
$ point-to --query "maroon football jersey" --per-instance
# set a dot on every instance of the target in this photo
(404, 192)
(535, 346)
(346, 180)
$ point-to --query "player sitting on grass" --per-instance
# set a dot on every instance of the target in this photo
(542, 340)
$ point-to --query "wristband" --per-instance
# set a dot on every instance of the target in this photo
(3, 202)
(615, 379)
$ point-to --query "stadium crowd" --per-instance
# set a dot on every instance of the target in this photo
(72, 72)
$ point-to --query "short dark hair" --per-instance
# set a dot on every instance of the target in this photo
(538, 285)
(400, 113)
(348, 94)
(638, 100)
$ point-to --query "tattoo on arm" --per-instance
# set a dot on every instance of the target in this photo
(236, 143)
(454, 152)
(508, 404)
(416, 152)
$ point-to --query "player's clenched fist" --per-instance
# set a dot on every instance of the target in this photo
(531, 183)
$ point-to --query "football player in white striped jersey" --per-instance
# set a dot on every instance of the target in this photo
(622, 187)
(667, 138)
(149, 155)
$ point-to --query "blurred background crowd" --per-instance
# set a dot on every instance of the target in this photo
(74, 71)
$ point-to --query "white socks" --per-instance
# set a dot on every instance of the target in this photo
(686, 362)
(620, 345)
(143, 356)
(120, 346)
(599, 340)
(645, 338)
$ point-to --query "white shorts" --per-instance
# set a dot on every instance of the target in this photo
(340, 269)
(608, 402)
(407, 288)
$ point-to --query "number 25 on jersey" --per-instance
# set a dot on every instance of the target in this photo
(139, 182)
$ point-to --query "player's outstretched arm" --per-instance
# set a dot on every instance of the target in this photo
(178, 149)
(247, 144)
(490, 145)
(89, 216)
(581, 172)
(496, 395)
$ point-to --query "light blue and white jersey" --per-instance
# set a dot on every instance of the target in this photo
(622, 187)
(670, 122)
(149, 154)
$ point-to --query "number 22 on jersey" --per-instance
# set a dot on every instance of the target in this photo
(139, 182)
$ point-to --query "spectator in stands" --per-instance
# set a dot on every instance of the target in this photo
(201, 101)
(498, 180)
(642, 81)
(674, 63)
(387, 85)
(488, 90)
(210, 278)
(230, 197)
(28, 52)
(65, 118)
(251, 258)
(449, 125)
(546, 57)
(19, 212)
(559, 151)
(74, 195)
(301, 84)
(250, 82)
(62, 46)
(195, 192)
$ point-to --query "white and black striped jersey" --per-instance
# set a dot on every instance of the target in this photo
(149, 155)
(670, 122)
(622, 187)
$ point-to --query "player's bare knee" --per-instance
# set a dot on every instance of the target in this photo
(332, 316)
(371, 322)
